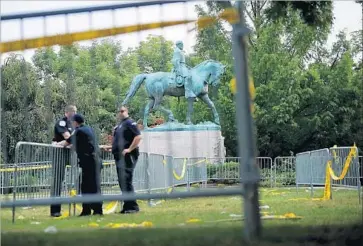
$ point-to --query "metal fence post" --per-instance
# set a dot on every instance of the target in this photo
(147, 177)
(311, 177)
(188, 174)
(246, 141)
(15, 186)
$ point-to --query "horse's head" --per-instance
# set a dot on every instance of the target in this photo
(217, 70)
(212, 71)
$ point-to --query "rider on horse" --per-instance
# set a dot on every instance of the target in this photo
(181, 70)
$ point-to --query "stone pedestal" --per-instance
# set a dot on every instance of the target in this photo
(186, 141)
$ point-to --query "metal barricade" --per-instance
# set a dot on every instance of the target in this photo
(344, 159)
(319, 159)
(265, 165)
(180, 172)
(157, 169)
(360, 160)
(197, 171)
(284, 171)
(311, 168)
(223, 170)
(44, 170)
(303, 168)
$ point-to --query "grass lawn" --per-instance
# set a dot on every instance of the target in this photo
(194, 221)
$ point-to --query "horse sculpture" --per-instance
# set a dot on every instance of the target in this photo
(162, 84)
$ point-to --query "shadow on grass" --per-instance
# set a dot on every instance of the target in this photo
(272, 235)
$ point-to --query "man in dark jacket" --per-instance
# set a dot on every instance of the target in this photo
(60, 157)
(84, 141)
(126, 138)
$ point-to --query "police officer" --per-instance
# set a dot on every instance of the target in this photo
(125, 150)
(84, 141)
(60, 158)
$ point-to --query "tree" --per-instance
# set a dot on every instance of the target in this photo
(22, 114)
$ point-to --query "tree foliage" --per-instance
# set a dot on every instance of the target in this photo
(308, 95)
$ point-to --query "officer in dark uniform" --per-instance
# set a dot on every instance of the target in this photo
(125, 150)
(60, 157)
(84, 141)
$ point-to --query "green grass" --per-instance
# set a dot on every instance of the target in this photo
(219, 220)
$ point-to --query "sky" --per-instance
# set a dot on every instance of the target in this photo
(348, 16)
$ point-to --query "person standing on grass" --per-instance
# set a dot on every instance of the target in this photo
(62, 131)
(125, 149)
(84, 141)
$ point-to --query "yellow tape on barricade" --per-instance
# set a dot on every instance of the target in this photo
(12, 169)
(331, 175)
(230, 15)
(176, 176)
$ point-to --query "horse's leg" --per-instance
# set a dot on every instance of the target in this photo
(205, 98)
(147, 110)
(190, 110)
(158, 106)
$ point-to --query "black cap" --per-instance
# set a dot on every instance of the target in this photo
(78, 118)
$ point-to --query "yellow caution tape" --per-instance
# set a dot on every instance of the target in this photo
(12, 169)
(285, 216)
(39, 167)
(230, 15)
(129, 225)
(67, 39)
(93, 224)
(193, 221)
(329, 173)
(110, 208)
(176, 176)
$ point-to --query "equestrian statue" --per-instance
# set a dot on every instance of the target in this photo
(181, 81)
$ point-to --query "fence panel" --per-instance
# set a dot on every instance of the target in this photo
(7, 173)
(109, 180)
(266, 171)
(284, 169)
(180, 171)
(360, 160)
(303, 168)
(197, 170)
(141, 173)
(38, 164)
(223, 170)
(343, 158)
(169, 180)
(157, 170)
(319, 159)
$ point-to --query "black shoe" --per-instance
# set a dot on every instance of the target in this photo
(98, 213)
(84, 214)
(129, 211)
(56, 215)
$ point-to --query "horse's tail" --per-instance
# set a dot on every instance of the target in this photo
(135, 85)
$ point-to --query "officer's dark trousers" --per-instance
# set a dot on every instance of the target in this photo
(60, 158)
(125, 172)
(91, 183)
